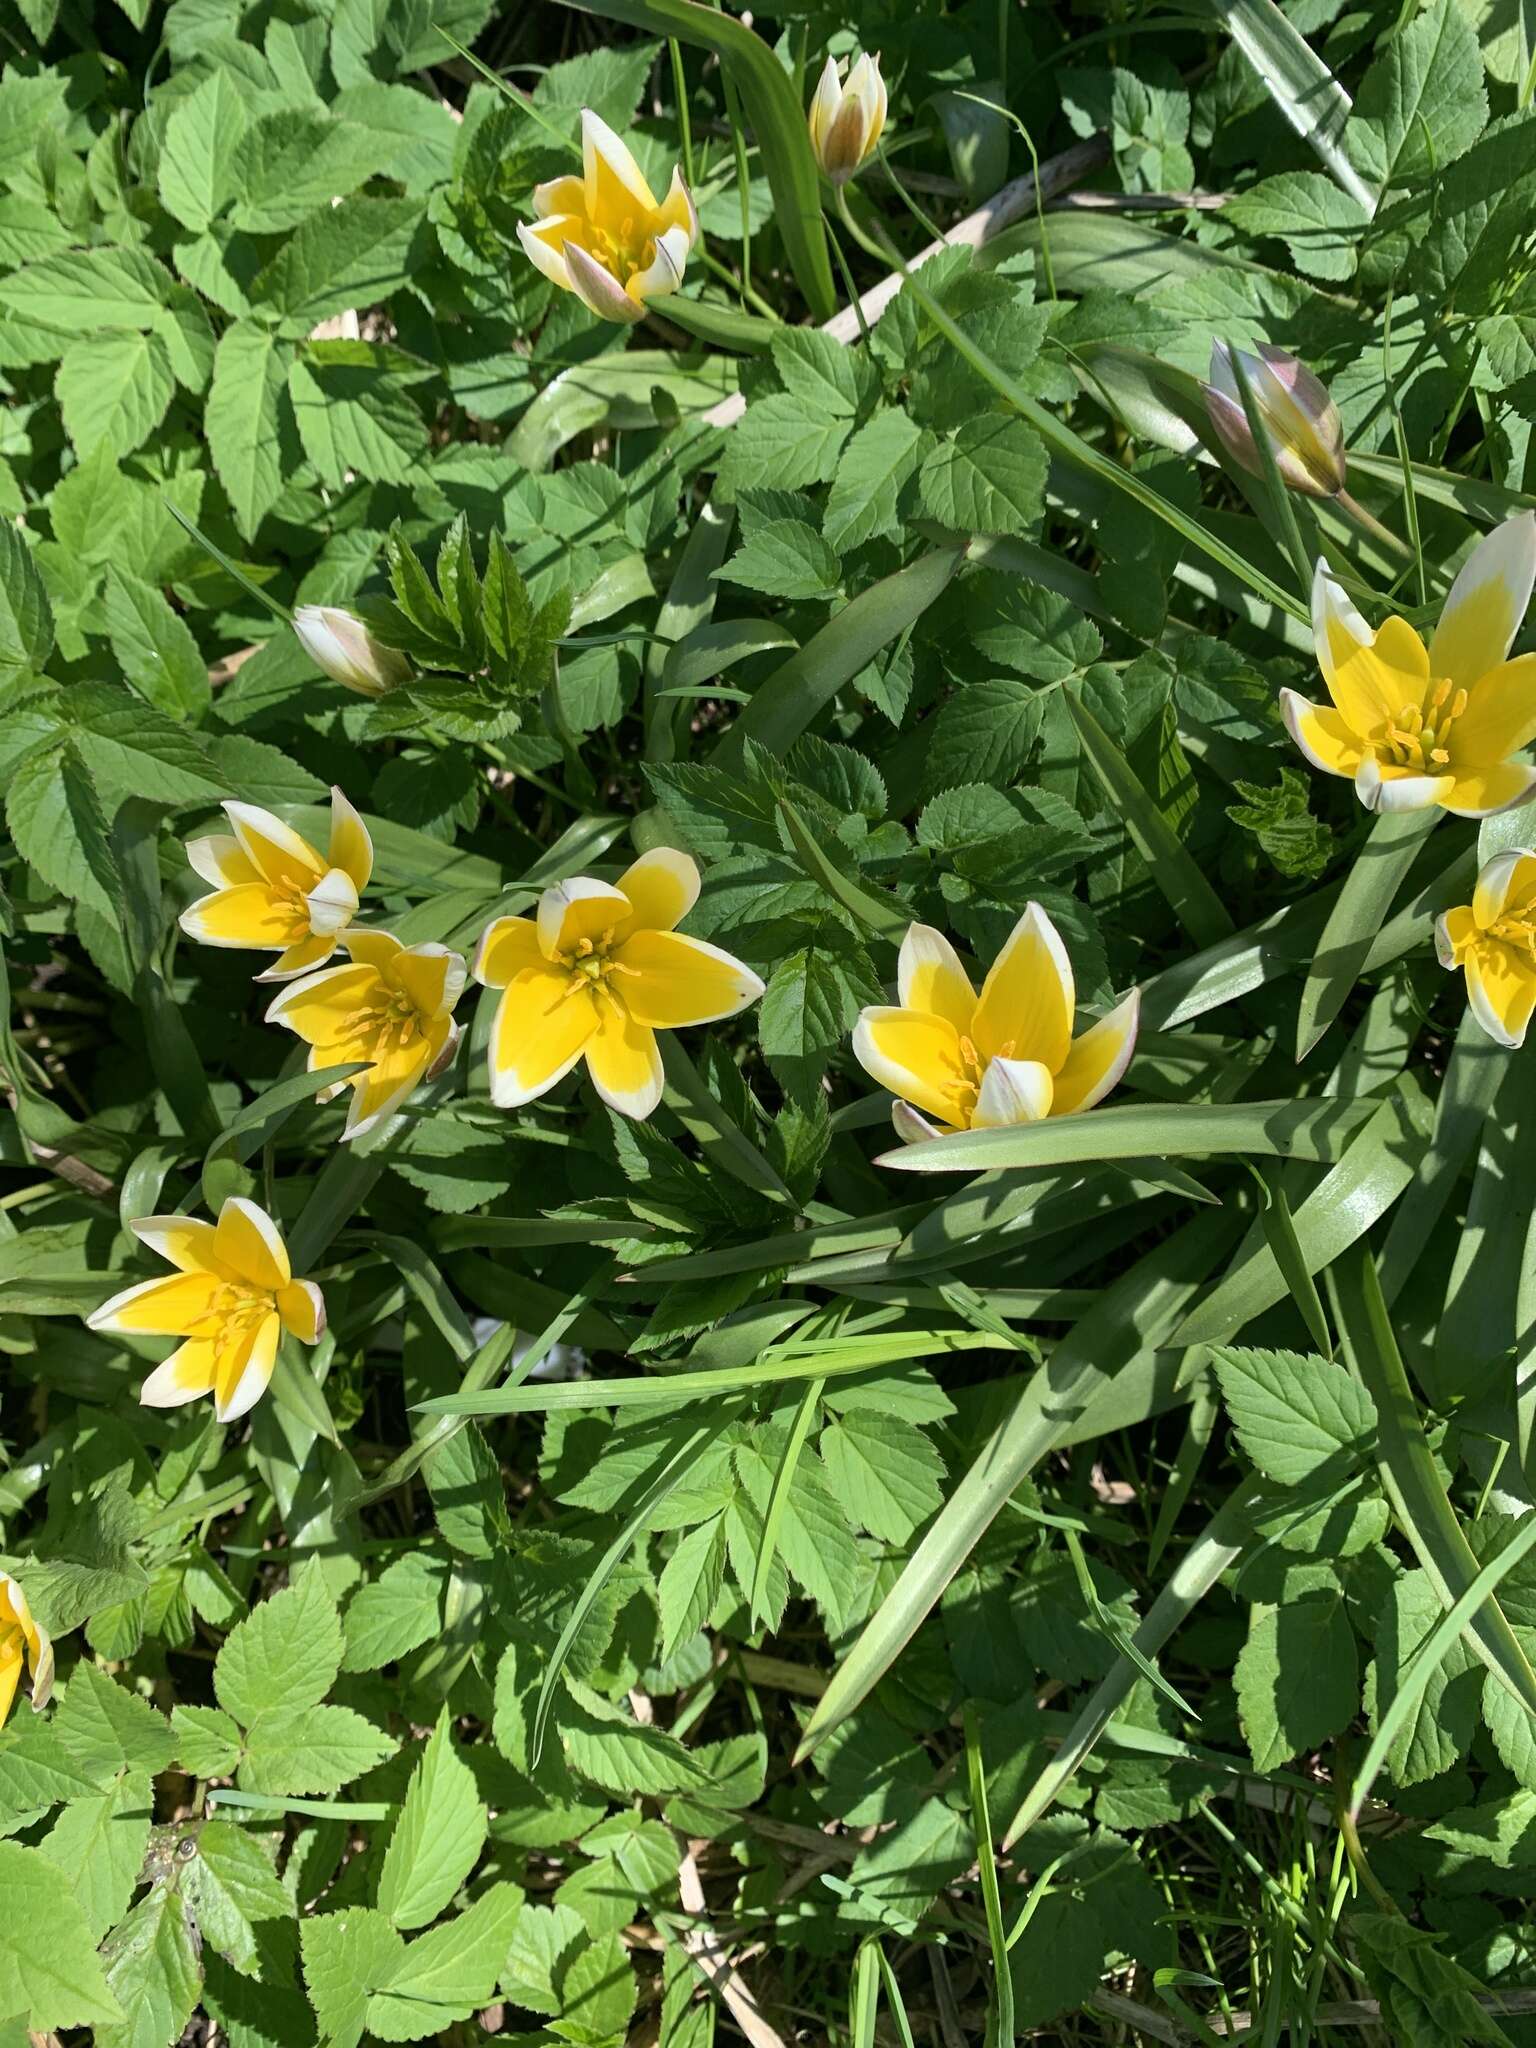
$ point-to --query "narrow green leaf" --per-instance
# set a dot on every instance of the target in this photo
(1357, 916)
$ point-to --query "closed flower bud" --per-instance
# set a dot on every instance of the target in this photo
(342, 645)
(1302, 420)
(846, 119)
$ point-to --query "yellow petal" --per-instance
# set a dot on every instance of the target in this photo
(1026, 1005)
(614, 184)
(250, 1244)
(1373, 685)
(929, 977)
(1098, 1059)
(432, 976)
(507, 946)
(302, 1308)
(185, 1241)
(667, 980)
(662, 887)
(14, 1608)
(1507, 882)
(302, 958)
(186, 1375)
(1339, 632)
(278, 853)
(560, 195)
(544, 245)
(1012, 1092)
(1500, 717)
(386, 1085)
(677, 210)
(351, 848)
(322, 1008)
(10, 1674)
(664, 272)
(243, 1369)
(1321, 734)
(221, 861)
(1503, 787)
(1455, 931)
(1383, 786)
(540, 1030)
(251, 916)
(169, 1307)
(578, 909)
(373, 949)
(624, 1062)
(1486, 603)
(916, 1056)
(1501, 988)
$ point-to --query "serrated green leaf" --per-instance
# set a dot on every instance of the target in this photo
(440, 1833)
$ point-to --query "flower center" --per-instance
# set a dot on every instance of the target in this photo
(626, 248)
(387, 1022)
(973, 1066)
(233, 1310)
(590, 963)
(291, 894)
(1420, 736)
(1516, 928)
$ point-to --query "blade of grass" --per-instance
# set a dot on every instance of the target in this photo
(1431, 1653)
(1317, 1131)
(1345, 1204)
(826, 1359)
(785, 703)
(1410, 1475)
(666, 1481)
(1130, 1317)
(1379, 871)
(778, 1499)
(1000, 2005)
(1219, 1545)
(1174, 869)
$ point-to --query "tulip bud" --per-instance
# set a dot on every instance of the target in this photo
(342, 645)
(845, 120)
(1303, 422)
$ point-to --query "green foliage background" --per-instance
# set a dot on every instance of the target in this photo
(1110, 1499)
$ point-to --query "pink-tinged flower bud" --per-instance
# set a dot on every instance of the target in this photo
(1302, 420)
(846, 120)
(342, 645)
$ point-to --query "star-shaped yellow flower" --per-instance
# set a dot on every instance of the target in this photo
(1492, 940)
(22, 1641)
(1416, 727)
(272, 891)
(604, 236)
(392, 1006)
(231, 1297)
(595, 975)
(1005, 1057)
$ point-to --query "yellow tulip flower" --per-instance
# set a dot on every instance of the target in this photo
(391, 1006)
(21, 1640)
(231, 1297)
(846, 120)
(1005, 1057)
(595, 974)
(603, 235)
(1415, 728)
(272, 891)
(1493, 940)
